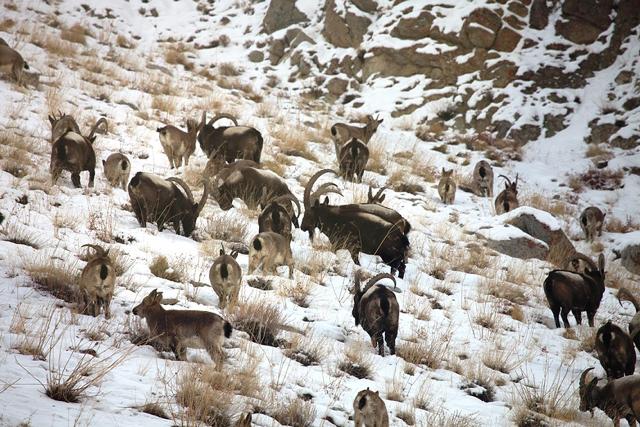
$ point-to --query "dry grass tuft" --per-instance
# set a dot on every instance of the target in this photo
(616, 225)
(293, 141)
(176, 272)
(298, 291)
(407, 413)
(15, 232)
(306, 350)
(155, 409)
(596, 179)
(428, 346)
(75, 34)
(58, 278)
(260, 320)
(40, 336)
(228, 227)
(168, 104)
(293, 412)
(175, 54)
(53, 44)
(357, 361)
(539, 201)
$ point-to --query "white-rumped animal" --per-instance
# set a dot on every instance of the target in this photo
(275, 217)
(568, 291)
(97, 282)
(369, 410)
(619, 398)
(177, 144)
(507, 200)
(353, 159)
(483, 179)
(117, 168)
(177, 328)
(235, 142)
(591, 221)
(447, 187)
(225, 276)
(62, 124)
(342, 132)
(376, 308)
(270, 250)
(634, 325)
(11, 59)
(615, 351)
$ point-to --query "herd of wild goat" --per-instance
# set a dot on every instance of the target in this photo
(233, 171)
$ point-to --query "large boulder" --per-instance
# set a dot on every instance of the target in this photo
(480, 28)
(578, 31)
(281, 14)
(539, 14)
(629, 257)
(368, 6)
(347, 31)
(586, 19)
(513, 242)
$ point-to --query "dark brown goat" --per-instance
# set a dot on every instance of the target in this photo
(156, 199)
(275, 217)
(507, 200)
(634, 325)
(353, 159)
(236, 142)
(619, 398)
(376, 308)
(576, 292)
(615, 351)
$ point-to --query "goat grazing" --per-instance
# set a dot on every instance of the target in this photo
(591, 220)
(447, 187)
(117, 168)
(275, 217)
(177, 144)
(619, 398)
(10, 58)
(269, 250)
(236, 142)
(74, 153)
(576, 292)
(377, 198)
(368, 228)
(483, 179)
(629, 258)
(634, 325)
(97, 282)
(62, 124)
(369, 410)
(353, 159)
(375, 307)
(156, 199)
(507, 200)
(342, 132)
(225, 276)
(615, 351)
(175, 328)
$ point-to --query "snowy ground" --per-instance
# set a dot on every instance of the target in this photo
(464, 306)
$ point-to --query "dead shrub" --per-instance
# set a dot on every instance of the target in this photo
(56, 277)
(293, 412)
(176, 272)
(75, 34)
(260, 320)
(357, 361)
(428, 346)
(306, 350)
(228, 227)
(596, 179)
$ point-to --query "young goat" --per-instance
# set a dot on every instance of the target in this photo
(342, 132)
(175, 328)
(177, 144)
(353, 159)
(375, 307)
(568, 291)
(269, 250)
(634, 325)
(483, 179)
(447, 187)
(618, 398)
(97, 282)
(615, 351)
(369, 410)
(117, 168)
(225, 276)
(591, 220)
(10, 57)
(507, 200)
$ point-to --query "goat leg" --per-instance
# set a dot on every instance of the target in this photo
(578, 315)
(75, 179)
(565, 319)
(92, 175)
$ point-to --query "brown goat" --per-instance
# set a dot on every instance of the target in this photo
(97, 282)
(342, 132)
(568, 291)
(234, 142)
(375, 307)
(62, 124)
(615, 351)
(175, 328)
(10, 57)
(225, 276)
(591, 221)
(177, 144)
(275, 217)
(447, 187)
(483, 179)
(369, 410)
(634, 325)
(619, 398)
(353, 159)
(507, 200)
(269, 250)
(117, 168)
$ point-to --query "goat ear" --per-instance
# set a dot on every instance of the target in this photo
(52, 120)
(380, 121)
(601, 262)
(158, 297)
(221, 252)
(326, 201)
(104, 163)
(234, 254)
(92, 140)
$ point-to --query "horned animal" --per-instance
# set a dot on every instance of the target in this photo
(156, 199)
(368, 228)
(377, 198)
(3, 42)
(591, 220)
(236, 142)
(483, 178)
(619, 398)
(62, 124)
(353, 159)
(117, 168)
(244, 420)
(74, 153)
(369, 410)
(342, 132)
(225, 276)
(275, 217)
(447, 187)
(576, 292)
(97, 282)
(634, 325)
(10, 57)
(629, 257)
(177, 144)
(375, 307)
(615, 351)
(507, 200)
(175, 328)
(270, 250)
(216, 164)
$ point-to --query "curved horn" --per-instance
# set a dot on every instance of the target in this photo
(182, 184)
(377, 195)
(326, 188)
(516, 183)
(101, 121)
(99, 249)
(375, 279)
(203, 199)
(222, 116)
(582, 382)
(582, 257)
(307, 189)
(291, 197)
(507, 179)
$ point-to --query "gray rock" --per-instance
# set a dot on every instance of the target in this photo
(281, 14)
(539, 14)
(337, 86)
(522, 246)
(256, 56)
(343, 32)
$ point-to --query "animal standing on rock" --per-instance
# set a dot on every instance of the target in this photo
(156, 199)
(568, 291)
(225, 276)
(270, 250)
(618, 398)
(176, 328)
(235, 142)
(507, 200)
(97, 282)
(376, 308)
(615, 351)
(591, 221)
(634, 325)
(117, 168)
(447, 187)
(369, 410)
(177, 144)
(342, 132)
(353, 159)
(483, 179)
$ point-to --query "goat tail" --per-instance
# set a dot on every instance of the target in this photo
(607, 336)
(62, 152)
(104, 271)
(26, 66)
(227, 329)
(505, 205)
(124, 165)
(334, 131)
(482, 172)
(224, 271)
(259, 143)
(384, 305)
(362, 402)
(257, 244)
(135, 181)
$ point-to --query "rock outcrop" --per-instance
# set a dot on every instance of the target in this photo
(281, 14)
